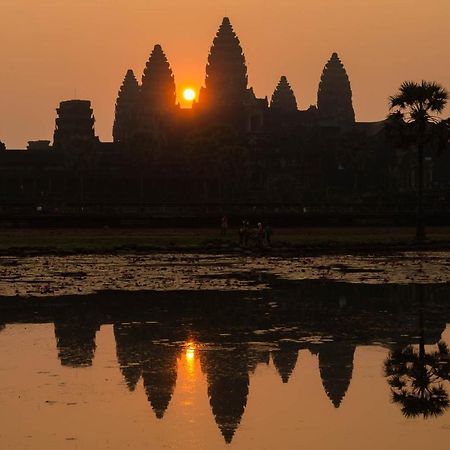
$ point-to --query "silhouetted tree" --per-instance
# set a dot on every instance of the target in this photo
(415, 105)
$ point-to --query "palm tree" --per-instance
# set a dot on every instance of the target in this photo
(417, 105)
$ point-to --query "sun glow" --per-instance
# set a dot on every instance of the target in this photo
(189, 354)
(189, 94)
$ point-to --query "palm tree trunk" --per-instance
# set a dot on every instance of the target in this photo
(420, 289)
(420, 223)
(82, 191)
(141, 193)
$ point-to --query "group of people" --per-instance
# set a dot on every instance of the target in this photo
(261, 235)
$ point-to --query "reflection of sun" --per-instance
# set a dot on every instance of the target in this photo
(189, 94)
(189, 355)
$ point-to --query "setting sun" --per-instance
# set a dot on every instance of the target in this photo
(189, 94)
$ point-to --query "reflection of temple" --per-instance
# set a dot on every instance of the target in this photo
(336, 368)
(328, 319)
(75, 339)
(130, 350)
(160, 376)
(138, 355)
(285, 359)
(228, 383)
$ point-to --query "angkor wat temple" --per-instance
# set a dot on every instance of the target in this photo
(230, 153)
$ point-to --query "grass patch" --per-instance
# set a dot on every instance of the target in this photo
(116, 239)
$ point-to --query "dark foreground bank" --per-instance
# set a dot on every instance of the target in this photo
(284, 241)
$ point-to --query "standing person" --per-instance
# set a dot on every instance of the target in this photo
(224, 225)
(260, 234)
(242, 233)
(268, 234)
(245, 232)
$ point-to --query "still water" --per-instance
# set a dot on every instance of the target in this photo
(315, 364)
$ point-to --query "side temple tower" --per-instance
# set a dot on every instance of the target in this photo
(283, 99)
(74, 125)
(127, 109)
(158, 91)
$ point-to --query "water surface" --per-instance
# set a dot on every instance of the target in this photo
(312, 364)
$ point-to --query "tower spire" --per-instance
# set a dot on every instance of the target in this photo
(158, 90)
(127, 104)
(334, 98)
(283, 98)
(226, 72)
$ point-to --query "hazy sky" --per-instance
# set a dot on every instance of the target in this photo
(53, 50)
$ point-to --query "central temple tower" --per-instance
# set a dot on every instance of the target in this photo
(226, 71)
(226, 98)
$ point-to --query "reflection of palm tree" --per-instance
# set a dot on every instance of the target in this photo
(415, 378)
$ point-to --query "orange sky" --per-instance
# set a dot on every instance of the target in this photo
(53, 50)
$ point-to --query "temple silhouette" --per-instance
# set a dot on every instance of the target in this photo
(231, 152)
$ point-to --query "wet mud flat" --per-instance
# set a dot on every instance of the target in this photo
(43, 276)
(100, 351)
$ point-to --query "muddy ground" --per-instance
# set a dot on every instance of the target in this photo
(84, 274)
